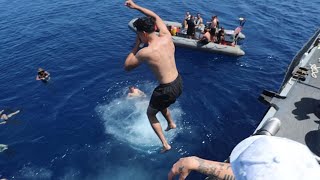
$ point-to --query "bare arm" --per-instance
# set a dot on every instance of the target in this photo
(160, 24)
(134, 58)
(47, 74)
(184, 166)
(142, 94)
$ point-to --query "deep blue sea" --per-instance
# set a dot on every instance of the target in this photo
(81, 126)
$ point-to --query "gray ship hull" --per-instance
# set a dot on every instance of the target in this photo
(297, 104)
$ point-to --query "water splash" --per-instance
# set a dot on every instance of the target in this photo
(126, 119)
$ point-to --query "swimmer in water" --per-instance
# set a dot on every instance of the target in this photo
(5, 117)
(43, 75)
(135, 92)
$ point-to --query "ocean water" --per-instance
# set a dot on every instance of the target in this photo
(80, 125)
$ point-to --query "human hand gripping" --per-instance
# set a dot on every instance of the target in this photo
(183, 167)
(130, 4)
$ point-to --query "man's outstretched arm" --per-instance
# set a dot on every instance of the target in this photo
(133, 59)
(210, 168)
(160, 24)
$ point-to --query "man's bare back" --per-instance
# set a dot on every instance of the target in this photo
(160, 58)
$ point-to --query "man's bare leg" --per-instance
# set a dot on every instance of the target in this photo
(14, 113)
(156, 126)
(166, 113)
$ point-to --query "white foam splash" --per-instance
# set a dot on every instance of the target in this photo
(126, 120)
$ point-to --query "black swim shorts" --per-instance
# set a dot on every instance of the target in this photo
(166, 94)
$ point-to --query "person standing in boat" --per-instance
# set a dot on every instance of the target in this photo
(186, 18)
(199, 26)
(159, 55)
(191, 28)
(214, 22)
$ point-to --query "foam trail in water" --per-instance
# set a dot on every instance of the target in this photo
(126, 119)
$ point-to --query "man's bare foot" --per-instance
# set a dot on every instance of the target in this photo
(171, 126)
(165, 148)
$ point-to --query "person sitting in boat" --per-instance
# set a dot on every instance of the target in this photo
(209, 36)
(43, 75)
(220, 35)
(135, 92)
(222, 41)
(191, 27)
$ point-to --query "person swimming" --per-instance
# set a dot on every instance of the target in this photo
(135, 92)
(43, 75)
(5, 117)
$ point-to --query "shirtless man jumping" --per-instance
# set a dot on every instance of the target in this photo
(159, 55)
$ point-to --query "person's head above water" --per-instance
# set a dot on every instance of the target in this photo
(40, 70)
(145, 24)
(131, 89)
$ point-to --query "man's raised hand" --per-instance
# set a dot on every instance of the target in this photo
(130, 4)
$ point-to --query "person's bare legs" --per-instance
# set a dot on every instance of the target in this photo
(14, 113)
(166, 114)
(156, 126)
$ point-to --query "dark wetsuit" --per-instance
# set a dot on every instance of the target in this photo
(166, 94)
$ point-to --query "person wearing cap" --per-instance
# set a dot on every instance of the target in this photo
(159, 56)
(257, 157)
(42, 75)
(5, 117)
(135, 92)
